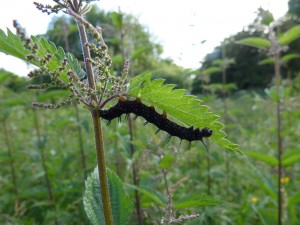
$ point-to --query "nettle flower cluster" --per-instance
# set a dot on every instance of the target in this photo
(89, 90)
(270, 30)
(64, 5)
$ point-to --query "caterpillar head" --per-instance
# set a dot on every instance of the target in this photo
(206, 132)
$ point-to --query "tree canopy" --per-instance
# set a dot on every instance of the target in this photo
(246, 72)
(126, 39)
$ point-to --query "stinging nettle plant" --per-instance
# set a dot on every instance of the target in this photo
(93, 86)
(275, 44)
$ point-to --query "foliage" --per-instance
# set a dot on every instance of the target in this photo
(211, 70)
(121, 204)
(12, 45)
(257, 42)
(172, 73)
(284, 59)
(149, 93)
(290, 35)
(187, 170)
(294, 7)
(176, 104)
(139, 46)
(62, 69)
(136, 39)
(269, 159)
(196, 201)
(247, 195)
(246, 72)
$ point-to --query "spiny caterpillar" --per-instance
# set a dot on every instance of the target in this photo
(125, 106)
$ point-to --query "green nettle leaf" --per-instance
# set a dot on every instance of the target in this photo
(267, 61)
(4, 75)
(230, 86)
(269, 159)
(218, 62)
(290, 35)
(256, 42)
(290, 153)
(58, 55)
(12, 45)
(288, 161)
(284, 59)
(11, 102)
(138, 52)
(167, 162)
(274, 95)
(224, 62)
(53, 94)
(196, 201)
(117, 19)
(289, 57)
(117, 59)
(114, 41)
(264, 181)
(120, 201)
(211, 70)
(267, 18)
(294, 199)
(266, 216)
(184, 108)
(148, 193)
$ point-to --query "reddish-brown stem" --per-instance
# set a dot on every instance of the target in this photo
(98, 134)
(135, 174)
(80, 139)
(132, 149)
(207, 155)
(279, 137)
(208, 171)
(43, 161)
(43, 158)
(166, 181)
(109, 99)
(10, 155)
(224, 80)
(79, 130)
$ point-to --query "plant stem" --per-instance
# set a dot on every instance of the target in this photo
(65, 34)
(135, 174)
(43, 158)
(208, 171)
(80, 139)
(225, 114)
(207, 155)
(98, 134)
(279, 137)
(87, 57)
(43, 161)
(132, 149)
(166, 181)
(10, 155)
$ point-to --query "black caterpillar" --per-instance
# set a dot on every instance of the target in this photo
(151, 116)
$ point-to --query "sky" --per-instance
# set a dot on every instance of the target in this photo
(179, 26)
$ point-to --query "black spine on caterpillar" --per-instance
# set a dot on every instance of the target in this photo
(151, 116)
